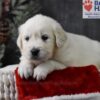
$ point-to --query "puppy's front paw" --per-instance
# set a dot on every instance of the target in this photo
(25, 70)
(40, 73)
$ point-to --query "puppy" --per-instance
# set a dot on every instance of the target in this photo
(45, 46)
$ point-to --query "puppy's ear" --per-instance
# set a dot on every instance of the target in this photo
(60, 35)
(19, 40)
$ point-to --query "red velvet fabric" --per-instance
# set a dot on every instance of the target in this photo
(72, 80)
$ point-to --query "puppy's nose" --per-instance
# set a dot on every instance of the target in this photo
(35, 52)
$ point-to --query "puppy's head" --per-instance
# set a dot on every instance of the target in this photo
(38, 38)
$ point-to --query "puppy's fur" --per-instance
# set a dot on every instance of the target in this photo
(58, 50)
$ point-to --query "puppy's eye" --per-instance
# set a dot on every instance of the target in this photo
(27, 38)
(44, 37)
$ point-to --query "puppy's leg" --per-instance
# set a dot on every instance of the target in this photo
(25, 68)
(42, 70)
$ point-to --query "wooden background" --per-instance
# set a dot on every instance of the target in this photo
(69, 14)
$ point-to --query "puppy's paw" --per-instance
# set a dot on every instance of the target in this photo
(25, 70)
(40, 73)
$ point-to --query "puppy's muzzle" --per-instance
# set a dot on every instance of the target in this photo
(35, 53)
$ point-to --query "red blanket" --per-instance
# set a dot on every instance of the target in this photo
(72, 80)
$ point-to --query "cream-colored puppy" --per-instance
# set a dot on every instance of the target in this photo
(45, 47)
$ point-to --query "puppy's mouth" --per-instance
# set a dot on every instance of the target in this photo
(40, 57)
(38, 60)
